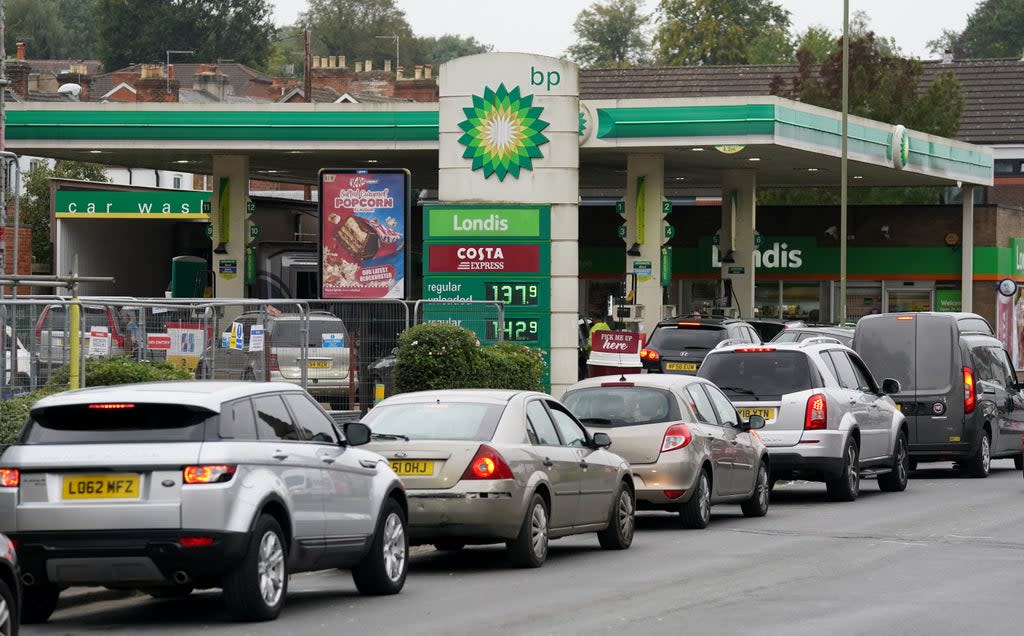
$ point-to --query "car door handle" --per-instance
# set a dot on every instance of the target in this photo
(369, 463)
(548, 463)
(280, 456)
(584, 465)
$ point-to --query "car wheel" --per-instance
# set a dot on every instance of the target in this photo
(619, 533)
(696, 513)
(1018, 462)
(38, 602)
(449, 546)
(980, 463)
(8, 611)
(256, 588)
(846, 487)
(530, 548)
(757, 505)
(896, 481)
(382, 571)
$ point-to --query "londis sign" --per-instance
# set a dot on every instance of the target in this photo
(446, 223)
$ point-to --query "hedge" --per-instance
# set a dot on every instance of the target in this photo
(445, 356)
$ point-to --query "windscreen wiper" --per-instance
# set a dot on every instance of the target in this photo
(388, 436)
(736, 389)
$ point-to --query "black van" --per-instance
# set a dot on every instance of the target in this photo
(959, 391)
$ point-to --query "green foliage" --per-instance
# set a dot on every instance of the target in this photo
(450, 46)
(36, 205)
(119, 370)
(351, 27)
(611, 35)
(816, 40)
(695, 32)
(995, 29)
(443, 356)
(14, 413)
(142, 31)
(52, 29)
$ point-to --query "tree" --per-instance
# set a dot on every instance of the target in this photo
(37, 23)
(610, 35)
(816, 40)
(449, 46)
(351, 28)
(79, 40)
(995, 29)
(695, 32)
(36, 205)
(239, 30)
(771, 47)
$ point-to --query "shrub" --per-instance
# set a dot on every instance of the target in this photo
(444, 356)
(14, 413)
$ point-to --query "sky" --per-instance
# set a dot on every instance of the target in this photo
(545, 26)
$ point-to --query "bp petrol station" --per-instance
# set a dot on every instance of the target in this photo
(508, 148)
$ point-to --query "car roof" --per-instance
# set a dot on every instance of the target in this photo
(804, 346)
(712, 322)
(202, 393)
(495, 396)
(659, 380)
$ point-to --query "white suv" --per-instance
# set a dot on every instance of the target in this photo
(826, 418)
(167, 487)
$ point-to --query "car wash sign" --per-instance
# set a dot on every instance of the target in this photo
(104, 204)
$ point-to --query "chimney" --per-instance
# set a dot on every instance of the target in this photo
(18, 72)
(368, 66)
(418, 72)
(21, 50)
(341, 61)
(359, 67)
(332, 61)
(387, 66)
(316, 61)
(427, 70)
(211, 80)
(947, 56)
(399, 72)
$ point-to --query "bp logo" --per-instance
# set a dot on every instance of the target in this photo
(503, 132)
(899, 148)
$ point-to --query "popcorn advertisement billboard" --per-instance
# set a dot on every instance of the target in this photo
(363, 222)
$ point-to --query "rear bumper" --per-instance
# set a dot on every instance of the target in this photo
(818, 457)
(483, 516)
(652, 480)
(133, 557)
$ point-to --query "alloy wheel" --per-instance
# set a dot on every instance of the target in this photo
(539, 531)
(270, 569)
(986, 453)
(394, 547)
(762, 487)
(852, 470)
(901, 460)
(627, 515)
(6, 620)
(704, 493)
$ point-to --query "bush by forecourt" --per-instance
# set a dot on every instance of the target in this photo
(98, 372)
(444, 356)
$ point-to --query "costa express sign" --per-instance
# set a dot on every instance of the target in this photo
(487, 258)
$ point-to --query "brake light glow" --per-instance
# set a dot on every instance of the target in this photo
(755, 349)
(10, 477)
(904, 317)
(676, 436)
(970, 397)
(674, 494)
(208, 474)
(111, 407)
(650, 355)
(487, 464)
(816, 416)
(195, 542)
(626, 384)
(688, 324)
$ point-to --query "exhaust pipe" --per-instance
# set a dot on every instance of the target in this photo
(180, 577)
(28, 579)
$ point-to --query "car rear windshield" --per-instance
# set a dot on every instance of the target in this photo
(697, 337)
(621, 406)
(758, 375)
(918, 351)
(121, 423)
(436, 420)
(288, 333)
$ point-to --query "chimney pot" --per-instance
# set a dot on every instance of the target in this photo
(947, 56)
(387, 66)
(428, 70)
(316, 61)
(359, 67)
(399, 72)
(368, 66)
(333, 63)
(341, 61)
(21, 50)
(418, 71)
(170, 71)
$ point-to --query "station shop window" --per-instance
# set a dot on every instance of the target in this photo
(801, 301)
(910, 300)
(861, 301)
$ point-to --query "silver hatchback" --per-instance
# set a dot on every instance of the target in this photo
(168, 487)
(826, 418)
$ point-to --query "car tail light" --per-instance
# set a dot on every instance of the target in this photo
(116, 406)
(755, 349)
(195, 542)
(487, 464)
(686, 325)
(904, 317)
(208, 474)
(617, 384)
(674, 494)
(816, 417)
(676, 436)
(970, 397)
(273, 363)
(10, 477)
(650, 355)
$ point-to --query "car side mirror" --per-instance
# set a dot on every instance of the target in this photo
(890, 386)
(601, 440)
(356, 433)
(755, 421)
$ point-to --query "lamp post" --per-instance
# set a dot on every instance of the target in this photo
(395, 38)
(842, 162)
(167, 69)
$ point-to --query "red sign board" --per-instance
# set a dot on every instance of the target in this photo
(483, 258)
(158, 341)
(620, 342)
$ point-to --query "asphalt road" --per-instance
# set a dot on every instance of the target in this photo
(944, 557)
